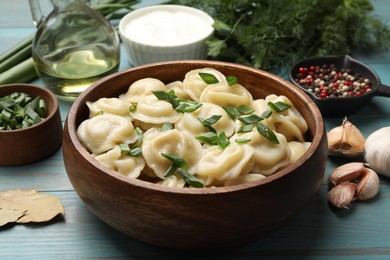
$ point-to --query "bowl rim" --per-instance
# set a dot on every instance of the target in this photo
(80, 101)
(139, 12)
(39, 90)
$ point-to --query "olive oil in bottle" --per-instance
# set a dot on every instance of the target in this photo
(74, 46)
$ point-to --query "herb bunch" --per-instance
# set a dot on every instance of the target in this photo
(273, 34)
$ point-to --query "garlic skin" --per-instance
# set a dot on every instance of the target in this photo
(346, 172)
(342, 195)
(346, 140)
(368, 185)
(377, 148)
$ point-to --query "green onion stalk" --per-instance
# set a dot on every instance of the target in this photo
(17, 65)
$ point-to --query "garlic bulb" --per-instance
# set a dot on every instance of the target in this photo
(346, 140)
(378, 151)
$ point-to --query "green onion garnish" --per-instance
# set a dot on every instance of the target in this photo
(208, 78)
(180, 165)
(267, 133)
(19, 110)
(231, 80)
(278, 106)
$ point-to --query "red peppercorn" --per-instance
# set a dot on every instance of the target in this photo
(326, 81)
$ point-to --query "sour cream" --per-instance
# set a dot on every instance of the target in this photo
(169, 27)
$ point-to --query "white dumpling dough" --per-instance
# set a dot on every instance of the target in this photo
(194, 85)
(154, 111)
(225, 164)
(101, 133)
(126, 165)
(269, 157)
(298, 149)
(114, 106)
(170, 142)
(227, 96)
(189, 121)
(141, 88)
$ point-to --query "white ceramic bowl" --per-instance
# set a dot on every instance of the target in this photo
(165, 33)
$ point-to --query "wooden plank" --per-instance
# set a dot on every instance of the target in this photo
(317, 231)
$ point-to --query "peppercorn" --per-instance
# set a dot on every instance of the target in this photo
(326, 81)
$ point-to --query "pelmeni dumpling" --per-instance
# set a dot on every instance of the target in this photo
(290, 122)
(194, 85)
(174, 142)
(126, 165)
(225, 164)
(114, 106)
(226, 96)
(189, 121)
(298, 149)
(245, 179)
(178, 88)
(154, 111)
(141, 88)
(173, 181)
(101, 133)
(269, 157)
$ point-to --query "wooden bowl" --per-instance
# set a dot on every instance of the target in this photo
(38, 141)
(204, 217)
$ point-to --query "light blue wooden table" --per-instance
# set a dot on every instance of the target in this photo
(317, 232)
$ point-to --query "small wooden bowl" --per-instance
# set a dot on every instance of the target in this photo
(34, 143)
(191, 217)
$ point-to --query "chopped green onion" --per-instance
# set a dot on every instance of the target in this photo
(185, 107)
(171, 170)
(99, 113)
(278, 106)
(167, 96)
(19, 110)
(231, 80)
(245, 110)
(267, 133)
(208, 78)
(266, 114)
(223, 142)
(166, 127)
(190, 179)
(210, 138)
(210, 121)
(134, 152)
(245, 128)
(252, 119)
(133, 107)
(242, 140)
(176, 160)
(180, 165)
(232, 112)
(140, 135)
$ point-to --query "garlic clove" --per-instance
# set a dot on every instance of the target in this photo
(346, 140)
(341, 195)
(368, 185)
(346, 172)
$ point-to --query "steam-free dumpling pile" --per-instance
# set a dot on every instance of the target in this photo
(200, 132)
